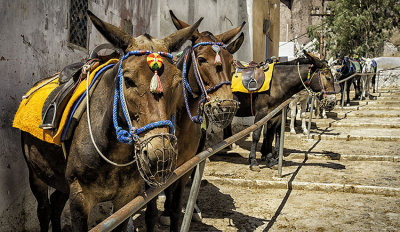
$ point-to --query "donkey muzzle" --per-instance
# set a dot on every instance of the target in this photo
(329, 102)
(221, 112)
(156, 158)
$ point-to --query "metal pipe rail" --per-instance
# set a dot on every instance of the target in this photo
(352, 75)
(345, 83)
(136, 204)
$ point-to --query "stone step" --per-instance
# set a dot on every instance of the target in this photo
(367, 107)
(300, 143)
(348, 134)
(392, 122)
(369, 113)
(344, 172)
(230, 205)
(382, 102)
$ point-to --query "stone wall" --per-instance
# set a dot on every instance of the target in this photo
(388, 72)
(34, 44)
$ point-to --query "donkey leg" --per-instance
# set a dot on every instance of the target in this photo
(176, 204)
(39, 190)
(348, 93)
(227, 134)
(303, 116)
(80, 207)
(293, 108)
(252, 156)
(151, 215)
(57, 201)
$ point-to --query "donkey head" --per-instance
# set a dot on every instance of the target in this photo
(213, 64)
(368, 65)
(149, 111)
(323, 81)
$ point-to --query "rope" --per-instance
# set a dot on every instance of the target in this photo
(52, 78)
(301, 79)
(86, 70)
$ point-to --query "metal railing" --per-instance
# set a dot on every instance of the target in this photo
(199, 160)
(345, 84)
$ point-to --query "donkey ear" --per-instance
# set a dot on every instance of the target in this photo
(178, 38)
(235, 45)
(227, 36)
(315, 60)
(113, 34)
(179, 24)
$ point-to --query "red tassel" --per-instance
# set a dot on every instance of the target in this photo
(155, 84)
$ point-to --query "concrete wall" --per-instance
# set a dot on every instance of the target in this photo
(33, 45)
(219, 16)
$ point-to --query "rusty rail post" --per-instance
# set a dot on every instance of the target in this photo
(194, 192)
(281, 142)
(310, 118)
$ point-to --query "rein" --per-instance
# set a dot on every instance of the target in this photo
(204, 92)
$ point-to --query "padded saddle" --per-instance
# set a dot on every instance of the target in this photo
(69, 79)
(253, 75)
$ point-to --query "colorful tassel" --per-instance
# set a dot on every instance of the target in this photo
(155, 62)
(155, 84)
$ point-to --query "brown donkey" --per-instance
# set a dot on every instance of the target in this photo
(206, 90)
(86, 178)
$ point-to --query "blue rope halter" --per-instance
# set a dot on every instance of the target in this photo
(125, 136)
(186, 86)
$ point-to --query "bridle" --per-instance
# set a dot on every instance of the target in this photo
(127, 136)
(167, 152)
(307, 83)
(204, 98)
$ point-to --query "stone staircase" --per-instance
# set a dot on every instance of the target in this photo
(346, 177)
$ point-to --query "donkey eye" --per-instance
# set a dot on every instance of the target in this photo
(129, 83)
(202, 60)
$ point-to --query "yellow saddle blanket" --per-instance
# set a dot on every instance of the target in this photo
(29, 114)
(237, 84)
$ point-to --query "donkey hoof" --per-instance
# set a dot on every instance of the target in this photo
(292, 132)
(165, 220)
(197, 217)
(255, 168)
(305, 132)
(272, 163)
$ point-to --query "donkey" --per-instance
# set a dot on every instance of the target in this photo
(345, 71)
(288, 78)
(300, 98)
(369, 66)
(207, 83)
(86, 178)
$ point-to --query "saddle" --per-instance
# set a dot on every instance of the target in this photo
(253, 75)
(357, 66)
(69, 79)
